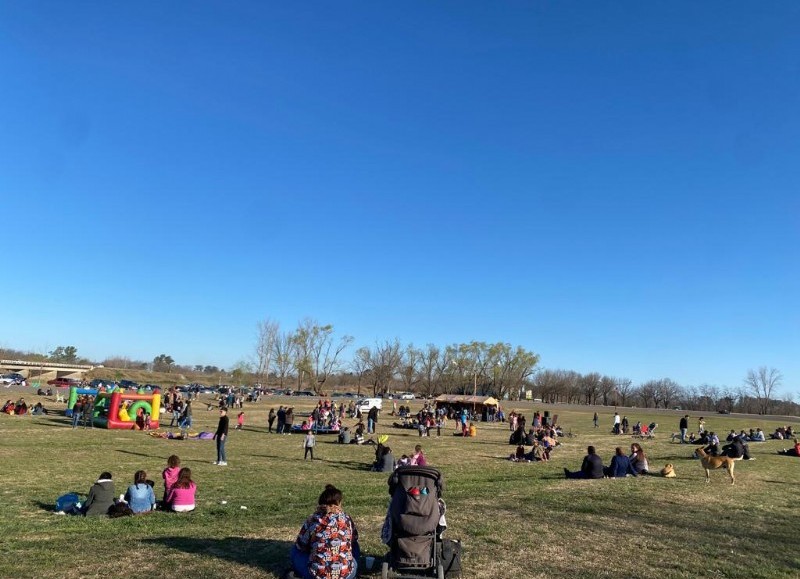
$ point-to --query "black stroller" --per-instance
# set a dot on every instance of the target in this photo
(415, 533)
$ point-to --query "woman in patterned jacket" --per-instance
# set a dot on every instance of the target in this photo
(327, 545)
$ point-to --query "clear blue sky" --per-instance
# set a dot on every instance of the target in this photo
(612, 185)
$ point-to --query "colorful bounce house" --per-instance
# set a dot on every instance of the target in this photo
(116, 409)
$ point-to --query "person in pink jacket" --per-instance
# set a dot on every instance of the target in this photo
(170, 475)
(181, 497)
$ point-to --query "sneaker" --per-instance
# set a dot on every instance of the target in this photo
(215, 462)
(222, 464)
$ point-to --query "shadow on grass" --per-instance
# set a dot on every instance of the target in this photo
(268, 554)
(349, 464)
(137, 453)
(55, 422)
(49, 507)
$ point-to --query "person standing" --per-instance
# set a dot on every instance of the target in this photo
(684, 426)
(701, 426)
(221, 436)
(616, 422)
(77, 412)
(309, 443)
(372, 420)
(271, 419)
(186, 419)
(281, 420)
(594, 420)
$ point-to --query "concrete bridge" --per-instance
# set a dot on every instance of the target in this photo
(44, 371)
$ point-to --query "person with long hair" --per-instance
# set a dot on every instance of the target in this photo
(140, 496)
(170, 475)
(638, 459)
(182, 495)
(327, 544)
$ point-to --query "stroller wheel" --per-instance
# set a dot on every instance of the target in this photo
(440, 571)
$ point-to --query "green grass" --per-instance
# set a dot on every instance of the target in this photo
(515, 520)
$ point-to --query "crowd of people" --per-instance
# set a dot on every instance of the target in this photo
(139, 497)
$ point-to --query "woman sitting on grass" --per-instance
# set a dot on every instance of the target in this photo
(140, 496)
(638, 459)
(620, 466)
(101, 497)
(170, 476)
(181, 498)
(327, 545)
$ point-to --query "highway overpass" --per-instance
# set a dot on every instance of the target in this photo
(44, 371)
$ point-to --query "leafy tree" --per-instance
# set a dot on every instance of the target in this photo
(64, 355)
(163, 363)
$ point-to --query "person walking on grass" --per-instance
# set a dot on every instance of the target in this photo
(308, 444)
(240, 421)
(594, 420)
(221, 436)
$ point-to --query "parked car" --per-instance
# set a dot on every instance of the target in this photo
(12, 378)
(64, 382)
(303, 393)
(128, 384)
(406, 396)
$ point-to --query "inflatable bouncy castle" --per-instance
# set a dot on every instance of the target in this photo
(121, 410)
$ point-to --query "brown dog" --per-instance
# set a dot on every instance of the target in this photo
(710, 462)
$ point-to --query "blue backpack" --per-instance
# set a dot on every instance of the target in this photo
(67, 502)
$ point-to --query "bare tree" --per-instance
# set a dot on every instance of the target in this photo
(266, 341)
(668, 391)
(762, 383)
(283, 360)
(360, 364)
(429, 369)
(410, 368)
(624, 390)
(384, 360)
(317, 354)
(648, 393)
(590, 383)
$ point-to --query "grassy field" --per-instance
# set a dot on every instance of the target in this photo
(515, 520)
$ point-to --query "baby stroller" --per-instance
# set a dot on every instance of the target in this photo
(415, 524)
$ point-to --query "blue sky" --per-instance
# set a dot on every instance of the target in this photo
(611, 185)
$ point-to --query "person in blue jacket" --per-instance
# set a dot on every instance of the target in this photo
(140, 496)
(620, 466)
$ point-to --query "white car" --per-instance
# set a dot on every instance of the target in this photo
(406, 396)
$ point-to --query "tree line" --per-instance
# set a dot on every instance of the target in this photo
(312, 357)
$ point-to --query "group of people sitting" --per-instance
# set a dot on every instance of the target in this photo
(783, 433)
(736, 448)
(621, 465)
(17, 408)
(385, 461)
(539, 453)
(179, 493)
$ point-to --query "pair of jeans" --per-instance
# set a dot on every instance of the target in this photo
(370, 426)
(300, 562)
(221, 449)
